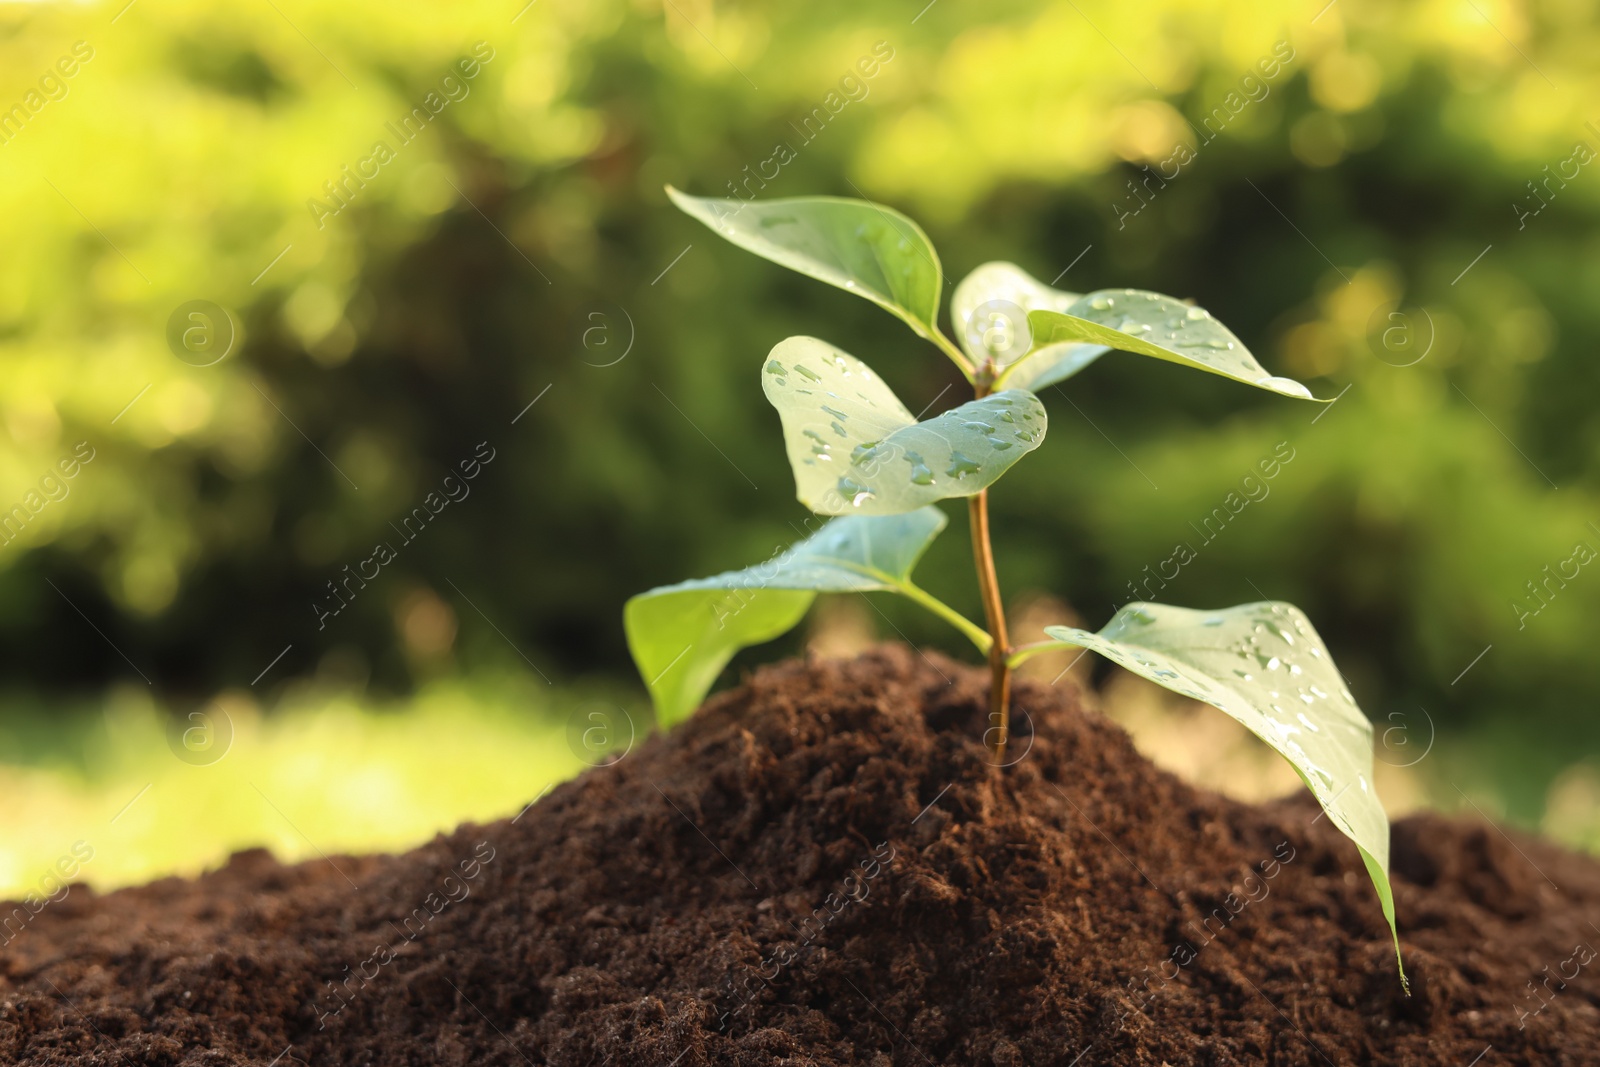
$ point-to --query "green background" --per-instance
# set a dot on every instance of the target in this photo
(1356, 217)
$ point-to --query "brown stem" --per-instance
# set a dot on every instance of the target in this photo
(994, 611)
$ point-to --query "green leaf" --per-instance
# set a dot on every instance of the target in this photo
(990, 312)
(1131, 320)
(1264, 665)
(855, 449)
(862, 247)
(681, 636)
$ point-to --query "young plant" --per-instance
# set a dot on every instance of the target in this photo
(858, 454)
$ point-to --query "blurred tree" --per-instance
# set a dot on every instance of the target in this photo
(1383, 199)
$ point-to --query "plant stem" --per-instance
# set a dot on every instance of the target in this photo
(974, 633)
(946, 346)
(999, 645)
(994, 611)
(1022, 653)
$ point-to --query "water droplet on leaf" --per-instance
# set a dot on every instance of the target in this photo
(866, 453)
(857, 492)
(920, 474)
(961, 466)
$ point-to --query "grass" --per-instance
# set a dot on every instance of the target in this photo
(324, 773)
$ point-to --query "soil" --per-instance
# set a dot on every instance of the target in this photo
(823, 869)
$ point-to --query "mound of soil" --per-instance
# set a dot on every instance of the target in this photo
(822, 868)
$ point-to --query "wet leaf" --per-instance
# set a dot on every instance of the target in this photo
(1264, 665)
(681, 636)
(1131, 320)
(855, 449)
(990, 312)
(862, 247)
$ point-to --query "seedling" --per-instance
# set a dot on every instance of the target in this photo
(859, 456)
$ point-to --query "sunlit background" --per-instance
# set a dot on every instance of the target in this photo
(1394, 203)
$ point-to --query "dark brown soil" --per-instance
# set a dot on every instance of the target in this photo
(822, 869)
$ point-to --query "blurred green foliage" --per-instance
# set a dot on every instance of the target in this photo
(327, 773)
(1337, 169)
